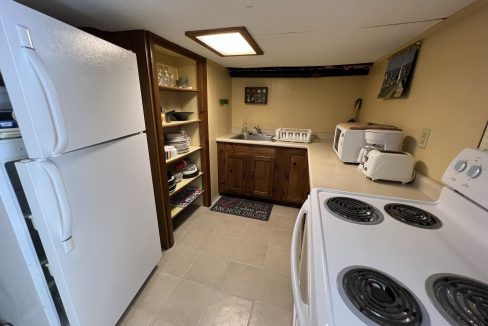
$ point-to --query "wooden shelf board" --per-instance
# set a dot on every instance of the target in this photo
(177, 89)
(184, 182)
(180, 123)
(175, 210)
(192, 150)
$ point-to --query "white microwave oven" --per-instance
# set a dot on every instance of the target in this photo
(348, 142)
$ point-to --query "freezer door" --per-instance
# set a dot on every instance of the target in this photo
(94, 210)
(69, 89)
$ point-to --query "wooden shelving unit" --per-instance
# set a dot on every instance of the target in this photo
(183, 183)
(192, 150)
(178, 89)
(152, 52)
(175, 210)
(180, 123)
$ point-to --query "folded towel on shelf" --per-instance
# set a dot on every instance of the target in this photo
(186, 196)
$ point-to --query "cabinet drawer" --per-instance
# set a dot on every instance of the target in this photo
(250, 150)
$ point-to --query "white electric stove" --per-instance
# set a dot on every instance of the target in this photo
(373, 260)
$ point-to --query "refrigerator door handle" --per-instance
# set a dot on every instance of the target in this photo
(63, 204)
(48, 87)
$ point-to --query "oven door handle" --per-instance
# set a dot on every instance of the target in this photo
(300, 306)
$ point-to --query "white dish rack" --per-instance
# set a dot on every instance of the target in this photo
(294, 135)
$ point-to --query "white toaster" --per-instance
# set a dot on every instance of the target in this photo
(388, 165)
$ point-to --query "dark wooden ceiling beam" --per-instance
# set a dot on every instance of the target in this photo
(359, 69)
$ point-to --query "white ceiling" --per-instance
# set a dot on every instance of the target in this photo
(291, 33)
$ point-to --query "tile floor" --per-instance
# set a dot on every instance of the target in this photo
(223, 270)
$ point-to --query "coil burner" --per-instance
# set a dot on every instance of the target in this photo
(376, 298)
(353, 210)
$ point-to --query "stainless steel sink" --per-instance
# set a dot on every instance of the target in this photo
(253, 137)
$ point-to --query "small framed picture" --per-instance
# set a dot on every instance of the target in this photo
(256, 95)
(483, 145)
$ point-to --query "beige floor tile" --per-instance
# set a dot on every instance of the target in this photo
(266, 315)
(285, 211)
(186, 304)
(231, 227)
(254, 221)
(230, 217)
(136, 317)
(258, 233)
(183, 223)
(250, 253)
(280, 238)
(227, 310)
(160, 322)
(241, 280)
(220, 246)
(277, 260)
(207, 222)
(176, 260)
(202, 210)
(207, 269)
(275, 289)
(284, 222)
(178, 236)
(217, 214)
(194, 239)
(156, 291)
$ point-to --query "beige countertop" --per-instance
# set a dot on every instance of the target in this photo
(327, 171)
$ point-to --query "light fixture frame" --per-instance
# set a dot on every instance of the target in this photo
(239, 29)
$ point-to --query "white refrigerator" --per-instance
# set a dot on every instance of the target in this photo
(87, 175)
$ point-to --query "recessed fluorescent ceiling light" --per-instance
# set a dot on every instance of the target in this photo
(228, 44)
(232, 41)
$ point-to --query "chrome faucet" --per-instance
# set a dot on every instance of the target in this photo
(244, 128)
(258, 130)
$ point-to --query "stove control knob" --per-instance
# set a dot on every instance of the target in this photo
(474, 171)
(460, 165)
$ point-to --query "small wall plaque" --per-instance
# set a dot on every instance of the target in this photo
(256, 95)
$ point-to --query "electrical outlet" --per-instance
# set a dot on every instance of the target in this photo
(424, 137)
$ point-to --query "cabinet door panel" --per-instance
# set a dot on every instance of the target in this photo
(295, 184)
(260, 181)
(235, 173)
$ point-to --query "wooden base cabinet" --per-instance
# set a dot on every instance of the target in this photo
(246, 170)
(235, 170)
(294, 176)
(274, 173)
(261, 172)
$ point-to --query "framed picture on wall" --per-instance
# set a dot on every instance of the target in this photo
(256, 95)
(398, 75)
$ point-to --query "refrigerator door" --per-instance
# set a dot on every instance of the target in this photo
(24, 293)
(94, 210)
(69, 89)
(21, 302)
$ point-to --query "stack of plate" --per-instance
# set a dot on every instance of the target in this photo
(171, 183)
(186, 168)
(190, 171)
(180, 141)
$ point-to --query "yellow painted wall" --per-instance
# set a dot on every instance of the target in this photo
(315, 103)
(449, 92)
(219, 117)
